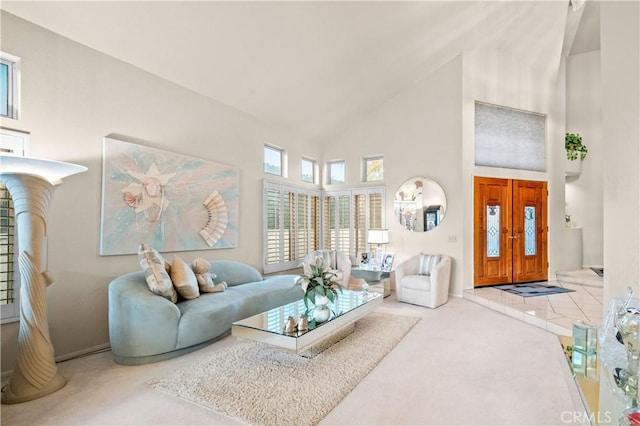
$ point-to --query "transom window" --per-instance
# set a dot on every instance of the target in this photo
(336, 172)
(308, 168)
(273, 160)
(373, 168)
(9, 85)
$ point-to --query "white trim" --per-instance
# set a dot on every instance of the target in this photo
(14, 83)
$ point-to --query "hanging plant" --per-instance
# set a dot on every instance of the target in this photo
(574, 147)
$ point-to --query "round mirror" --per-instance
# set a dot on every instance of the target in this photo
(420, 204)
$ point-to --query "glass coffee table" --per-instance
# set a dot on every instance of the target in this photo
(268, 327)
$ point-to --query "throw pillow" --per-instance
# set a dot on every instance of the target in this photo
(157, 278)
(427, 263)
(183, 279)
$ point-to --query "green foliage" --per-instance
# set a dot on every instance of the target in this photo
(574, 147)
(318, 280)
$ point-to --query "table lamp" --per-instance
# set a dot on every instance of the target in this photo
(377, 237)
(31, 182)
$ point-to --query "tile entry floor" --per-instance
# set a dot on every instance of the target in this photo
(555, 313)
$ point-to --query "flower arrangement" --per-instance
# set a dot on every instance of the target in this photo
(317, 280)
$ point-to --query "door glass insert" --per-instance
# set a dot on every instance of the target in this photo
(530, 231)
(493, 231)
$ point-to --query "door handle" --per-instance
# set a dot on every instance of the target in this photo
(513, 237)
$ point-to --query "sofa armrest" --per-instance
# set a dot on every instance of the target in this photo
(440, 282)
(406, 267)
(140, 322)
(344, 265)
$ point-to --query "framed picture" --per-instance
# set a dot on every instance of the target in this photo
(387, 262)
(365, 257)
(172, 202)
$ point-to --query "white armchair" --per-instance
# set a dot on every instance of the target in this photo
(337, 261)
(424, 280)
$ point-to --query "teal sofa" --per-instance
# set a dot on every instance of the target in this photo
(146, 328)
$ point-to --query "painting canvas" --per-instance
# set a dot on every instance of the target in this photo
(170, 201)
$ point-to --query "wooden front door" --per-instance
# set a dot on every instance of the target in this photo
(510, 231)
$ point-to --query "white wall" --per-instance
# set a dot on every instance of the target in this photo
(584, 193)
(418, 132)
(498, 78)
(620, 56)
(72, 97)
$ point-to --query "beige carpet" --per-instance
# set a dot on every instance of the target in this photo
(261, 384)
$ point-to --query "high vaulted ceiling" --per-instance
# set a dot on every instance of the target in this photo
(306, 66)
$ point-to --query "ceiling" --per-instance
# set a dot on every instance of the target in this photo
(309, 67)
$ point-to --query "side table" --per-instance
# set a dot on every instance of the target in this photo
(378, 281)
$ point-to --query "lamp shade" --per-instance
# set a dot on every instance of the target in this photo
(49, 170)
(378, 236)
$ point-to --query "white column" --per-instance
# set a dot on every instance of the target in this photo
(31, 185)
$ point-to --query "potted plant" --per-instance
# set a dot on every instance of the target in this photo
(319, 288)
(575, 150)
(574, 147)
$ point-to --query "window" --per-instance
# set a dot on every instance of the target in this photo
(273, 160)
(9, 85)
(308, 170)
(15, 143)
(291, 225)
(373, 169)
(336, 172)
(509, 138)
(347, 215)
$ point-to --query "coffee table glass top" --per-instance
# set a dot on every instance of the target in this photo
(273, 321)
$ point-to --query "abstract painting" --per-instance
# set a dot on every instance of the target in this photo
(170, 201)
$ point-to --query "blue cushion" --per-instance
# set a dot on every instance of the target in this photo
(234, 272)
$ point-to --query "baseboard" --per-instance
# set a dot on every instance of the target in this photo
(6, 375)
(82, 352)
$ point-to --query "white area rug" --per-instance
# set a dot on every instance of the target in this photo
(264, 385)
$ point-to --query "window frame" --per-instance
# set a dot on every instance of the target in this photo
(13, 85)
(281, 154)
(314, 167)
(330, 165)
(365, 168)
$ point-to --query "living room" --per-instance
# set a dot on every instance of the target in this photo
(73, 96)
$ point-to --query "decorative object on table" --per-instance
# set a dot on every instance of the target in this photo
(319, 285)
(377, 237)
(303, 323)
(321, 312)
(620, 347)
(630, 417)
(365, 288)
(173, 202)
(31, 183)
(364, 259)
(387, 261)
(584, 348)
(290, 325)
(336, 262)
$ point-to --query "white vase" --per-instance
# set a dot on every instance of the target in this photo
(321, 313)
(321, 299)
